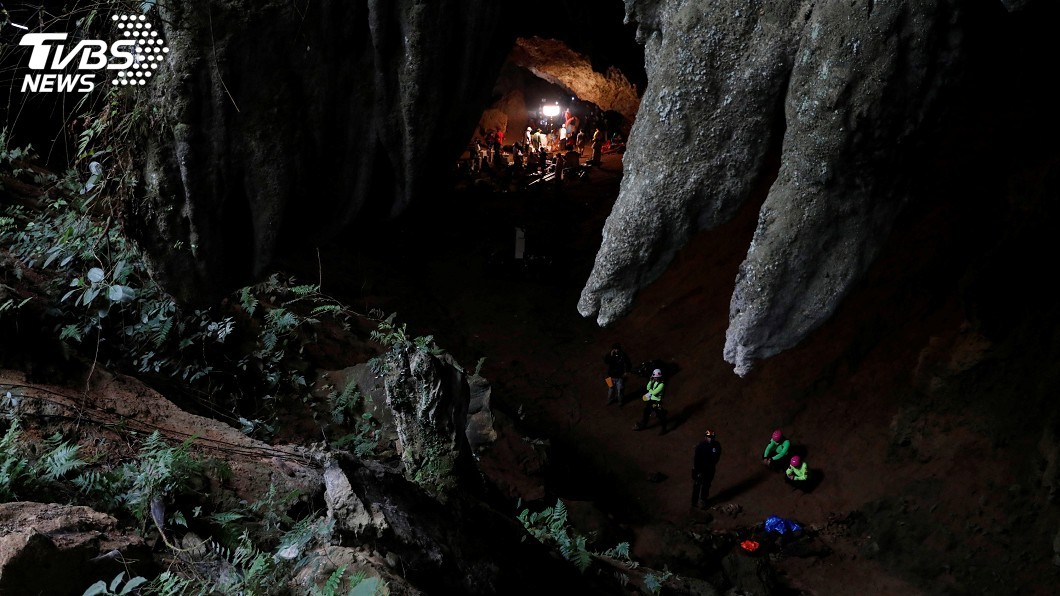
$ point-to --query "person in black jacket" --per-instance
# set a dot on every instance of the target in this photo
(618, 366)
(704, 462)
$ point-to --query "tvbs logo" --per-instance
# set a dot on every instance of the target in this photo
(131, 61)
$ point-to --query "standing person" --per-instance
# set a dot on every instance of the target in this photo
(775, 451)
(704, 462)
(653, 402)
(542, 140)
(598, 147)
(579, 141)
(528, 137)
(618, 366)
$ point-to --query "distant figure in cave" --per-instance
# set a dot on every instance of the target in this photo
(618, 367)
(579, 141)
(704, 462)
(653, 402)
(598, 146)
(517, 156)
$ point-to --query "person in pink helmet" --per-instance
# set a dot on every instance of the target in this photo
(798, 472)
(776, 451)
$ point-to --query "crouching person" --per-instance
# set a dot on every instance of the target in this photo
(798, 473)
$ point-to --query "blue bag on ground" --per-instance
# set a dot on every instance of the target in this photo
(780, 525)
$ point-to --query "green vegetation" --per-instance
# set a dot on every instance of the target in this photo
(93, 285)
(550, 527)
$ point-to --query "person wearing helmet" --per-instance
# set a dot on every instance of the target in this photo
(775, 451)
(653, 402)
(704, 462)
(798, 473)
(618, 366)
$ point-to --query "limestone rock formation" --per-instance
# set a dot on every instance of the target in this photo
(461, 546)
(480, 429)
(851, 86)
(429, 399)
(47, 548)
(555, 62)
(280, 116)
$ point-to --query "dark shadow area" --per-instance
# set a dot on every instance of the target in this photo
(740, 487)
(669, 369)
(682, 416)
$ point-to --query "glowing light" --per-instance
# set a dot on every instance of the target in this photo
(550, 111)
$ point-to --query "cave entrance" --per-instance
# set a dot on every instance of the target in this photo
(549, 104)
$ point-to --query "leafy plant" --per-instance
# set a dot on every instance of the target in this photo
(654, 583)
(550, 527)
(115, 588)
(159, 471)
(348, 407)
(619, 551)
(60, 459)
(13, 465)
(18, 472)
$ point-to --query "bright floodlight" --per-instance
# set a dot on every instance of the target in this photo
(550, 111)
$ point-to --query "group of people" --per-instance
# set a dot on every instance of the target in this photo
(708, 451)
(797, 472)
(618, 368)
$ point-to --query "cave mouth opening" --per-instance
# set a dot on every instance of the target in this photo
(550, 105)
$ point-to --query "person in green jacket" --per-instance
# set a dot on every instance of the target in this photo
(777, 448)
(798, 472)
(653, 402)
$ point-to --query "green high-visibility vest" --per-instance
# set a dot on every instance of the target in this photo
(655, 390)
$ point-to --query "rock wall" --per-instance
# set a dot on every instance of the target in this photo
(283, 121)
(555, 62)
(843, 88)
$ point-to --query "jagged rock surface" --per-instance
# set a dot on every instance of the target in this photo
(555, 62)
(461, 546)
(851, 82)
(429, 398)
(48, 548)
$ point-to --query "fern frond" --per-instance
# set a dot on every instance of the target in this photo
(580, 555)
(59, 461)
(331, 586)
